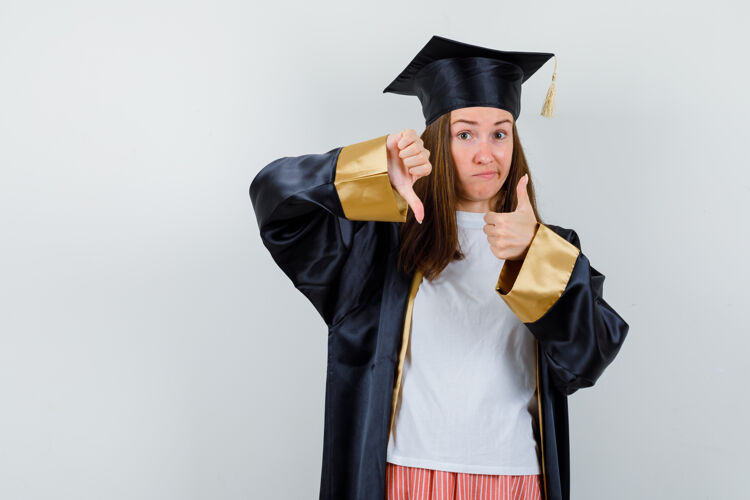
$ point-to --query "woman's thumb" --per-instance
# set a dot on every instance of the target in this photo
(522, 192)
(414, 202)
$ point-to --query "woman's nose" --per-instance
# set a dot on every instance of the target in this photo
(483, 154)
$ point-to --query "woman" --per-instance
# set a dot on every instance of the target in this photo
(474, 404)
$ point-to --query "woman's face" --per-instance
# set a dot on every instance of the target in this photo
(482, 149)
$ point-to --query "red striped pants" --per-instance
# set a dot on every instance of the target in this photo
(415, 483)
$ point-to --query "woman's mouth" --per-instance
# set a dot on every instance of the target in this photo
(486, 175)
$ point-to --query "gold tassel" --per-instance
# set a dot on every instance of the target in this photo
(549, 102)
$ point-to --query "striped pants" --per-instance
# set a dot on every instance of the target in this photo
(415, 483)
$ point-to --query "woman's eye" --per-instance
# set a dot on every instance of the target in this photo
(499, 132)
(460, 134)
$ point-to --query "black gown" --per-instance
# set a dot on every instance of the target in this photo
(331, 223)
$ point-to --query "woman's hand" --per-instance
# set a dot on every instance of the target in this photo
(510, 233)
(408, 160)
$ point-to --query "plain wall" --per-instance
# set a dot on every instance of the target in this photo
(151, 349)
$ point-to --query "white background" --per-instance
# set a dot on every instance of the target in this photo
(151, 349)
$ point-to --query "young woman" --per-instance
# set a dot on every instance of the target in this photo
(457, 329)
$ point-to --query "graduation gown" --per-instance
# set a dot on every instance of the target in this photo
(331, 223)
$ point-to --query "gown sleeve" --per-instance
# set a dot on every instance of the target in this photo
(309, 207)
(557, 294)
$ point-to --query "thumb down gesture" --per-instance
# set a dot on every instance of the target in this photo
(408, 160)
(510, 233)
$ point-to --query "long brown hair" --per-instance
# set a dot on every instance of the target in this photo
(433, 244)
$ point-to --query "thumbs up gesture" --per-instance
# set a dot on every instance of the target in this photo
(408, 160)
(510, 234)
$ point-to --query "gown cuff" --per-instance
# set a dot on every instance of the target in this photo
(363, 185)
(531, 286)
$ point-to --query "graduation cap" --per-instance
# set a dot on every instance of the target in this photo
(448, 74)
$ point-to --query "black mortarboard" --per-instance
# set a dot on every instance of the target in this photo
(447, 75)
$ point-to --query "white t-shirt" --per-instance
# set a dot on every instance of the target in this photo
(468, 395)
